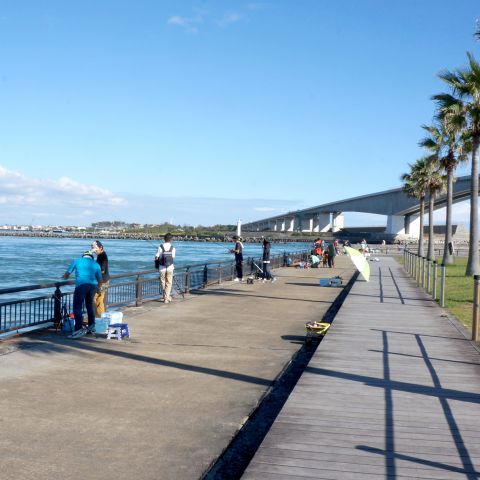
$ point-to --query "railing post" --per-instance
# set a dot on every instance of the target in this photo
(429, 264)
(442, 285)
(405, 260)
(219, 273)
(205, 275)
(434, 291)
(57, 306)
(138, 291)
(186, 280)
(476, 295)
(422, 283)
(417, 268)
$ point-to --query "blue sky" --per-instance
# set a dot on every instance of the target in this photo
(205, 112)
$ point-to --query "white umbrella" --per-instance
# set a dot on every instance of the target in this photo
(360, 262)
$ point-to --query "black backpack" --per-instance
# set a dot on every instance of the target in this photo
(166, 259)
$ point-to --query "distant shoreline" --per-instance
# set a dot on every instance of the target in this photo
(144, 236)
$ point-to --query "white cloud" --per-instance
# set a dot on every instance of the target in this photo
(25, 200)
(192, 23)
(20, 191)
(189, 24)
(229, 19)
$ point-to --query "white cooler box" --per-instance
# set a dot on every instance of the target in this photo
(113, 317)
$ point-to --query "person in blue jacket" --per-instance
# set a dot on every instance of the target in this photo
(87, 275)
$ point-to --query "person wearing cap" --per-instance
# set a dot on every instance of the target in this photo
(87, 275)
(102, 260)
(238, 251)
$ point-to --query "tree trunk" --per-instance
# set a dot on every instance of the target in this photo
(447, 256)
(420, 238)
(431, 205)
(473, 267)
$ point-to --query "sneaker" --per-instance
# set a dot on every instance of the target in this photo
(90, 330)
(264, 280)
(78, 333)
(274, 279)
(236, 280)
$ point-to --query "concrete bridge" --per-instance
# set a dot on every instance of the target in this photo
(403, 212)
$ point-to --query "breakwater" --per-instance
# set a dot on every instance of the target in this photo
(247, 237)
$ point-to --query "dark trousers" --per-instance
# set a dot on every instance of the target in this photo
(84, 293)
(239, 268)
(266, 272)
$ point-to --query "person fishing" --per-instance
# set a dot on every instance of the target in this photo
(87, 275)
(266, 261)
(102, 260)
(238, 251)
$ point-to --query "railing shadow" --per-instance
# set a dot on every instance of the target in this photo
(242, 293)
(87, 344)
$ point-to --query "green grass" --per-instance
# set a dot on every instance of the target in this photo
(458, 290)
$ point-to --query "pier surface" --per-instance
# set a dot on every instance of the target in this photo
(165, 404)
(393, 392)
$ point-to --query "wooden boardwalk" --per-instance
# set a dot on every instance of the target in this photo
(392, 392)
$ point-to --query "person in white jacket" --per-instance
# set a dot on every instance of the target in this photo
(166, 256)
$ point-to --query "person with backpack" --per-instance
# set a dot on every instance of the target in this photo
(165, 257)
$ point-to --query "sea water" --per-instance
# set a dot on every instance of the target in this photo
(32, 260)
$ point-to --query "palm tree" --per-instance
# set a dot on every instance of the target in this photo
(448, 145)
(435, 181)
(463, 108)
(414, 187)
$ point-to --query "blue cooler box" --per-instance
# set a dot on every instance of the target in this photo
(101, 325)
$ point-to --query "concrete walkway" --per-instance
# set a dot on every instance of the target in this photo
(163, 405)
(393, 392)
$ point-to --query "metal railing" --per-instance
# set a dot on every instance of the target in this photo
(425, 273)
(124, 289)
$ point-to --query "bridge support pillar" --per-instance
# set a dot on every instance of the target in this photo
(338, 221)
(395, 225)
(412, 226)
(290, 224)
(321, 222)
(306, 224)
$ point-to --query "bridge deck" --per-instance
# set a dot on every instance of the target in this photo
(393, 391)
